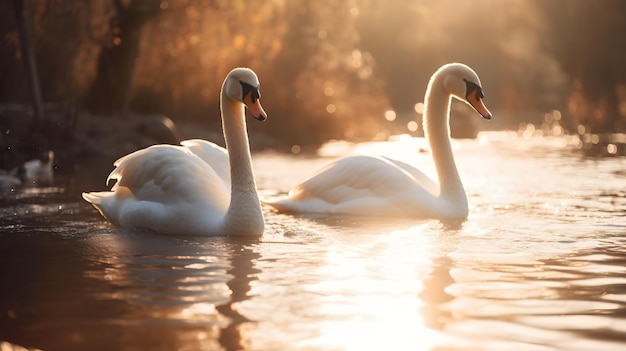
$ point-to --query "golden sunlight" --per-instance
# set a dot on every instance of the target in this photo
(390, 115)
(354, 306)
(239, 41)
(200, 310)
(419, 108)
(611, 149)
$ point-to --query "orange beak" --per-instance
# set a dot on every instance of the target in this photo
(478, 105)
(255, 108)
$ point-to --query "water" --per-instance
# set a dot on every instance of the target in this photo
(540, 264)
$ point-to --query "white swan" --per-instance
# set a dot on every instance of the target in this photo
(369, 185)
(36, 172)
(198, 188)
(40, 171)
(9, 182)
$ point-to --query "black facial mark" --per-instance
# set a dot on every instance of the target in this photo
(254, 91)
(470, 87)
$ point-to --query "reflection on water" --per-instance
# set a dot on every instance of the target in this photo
(538, 265)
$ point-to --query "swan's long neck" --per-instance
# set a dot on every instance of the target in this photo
(437, 130)
(244, 216)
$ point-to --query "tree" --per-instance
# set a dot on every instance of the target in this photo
(116, 62)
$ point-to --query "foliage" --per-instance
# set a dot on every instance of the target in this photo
(329, 69)
(305, 60)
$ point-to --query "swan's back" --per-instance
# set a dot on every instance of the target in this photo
(212, 154)
(359, 185)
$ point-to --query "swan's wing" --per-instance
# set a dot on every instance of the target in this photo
(164, 173)
(355, 184)
(163, 187)
(213, 154)
(418, 175)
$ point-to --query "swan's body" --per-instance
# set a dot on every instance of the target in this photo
(9, 182)
(197, 188)
(369, 185)
(38, 171)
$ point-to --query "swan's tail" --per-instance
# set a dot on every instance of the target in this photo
(95, 198)
(101, 200)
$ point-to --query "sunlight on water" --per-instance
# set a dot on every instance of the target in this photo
(352, 303)
(530, 208)
(538, 265)
(363, 307)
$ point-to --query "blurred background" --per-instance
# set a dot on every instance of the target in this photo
(117, 75)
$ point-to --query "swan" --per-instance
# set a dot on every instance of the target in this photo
(9, 182)
(197, 188)
(36, 172)
(380, 186)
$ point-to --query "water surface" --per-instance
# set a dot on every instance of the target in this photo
(540, 264)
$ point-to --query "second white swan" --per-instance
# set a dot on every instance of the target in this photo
(370, 185)
(198, 188)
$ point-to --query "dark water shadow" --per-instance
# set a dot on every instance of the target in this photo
(235, 257)
(100, 288)
(242, 272)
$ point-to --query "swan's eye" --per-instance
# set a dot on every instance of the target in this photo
(249, 89)
(471, 87)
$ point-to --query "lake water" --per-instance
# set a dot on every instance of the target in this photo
(539, 264)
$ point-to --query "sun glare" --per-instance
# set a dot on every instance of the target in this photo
(390, 115)
(374, 306)
(419, 108)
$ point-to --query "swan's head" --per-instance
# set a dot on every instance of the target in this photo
(242, 85)
(463, 83)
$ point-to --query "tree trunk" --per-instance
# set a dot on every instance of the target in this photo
(109, 92)
(29, 60)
